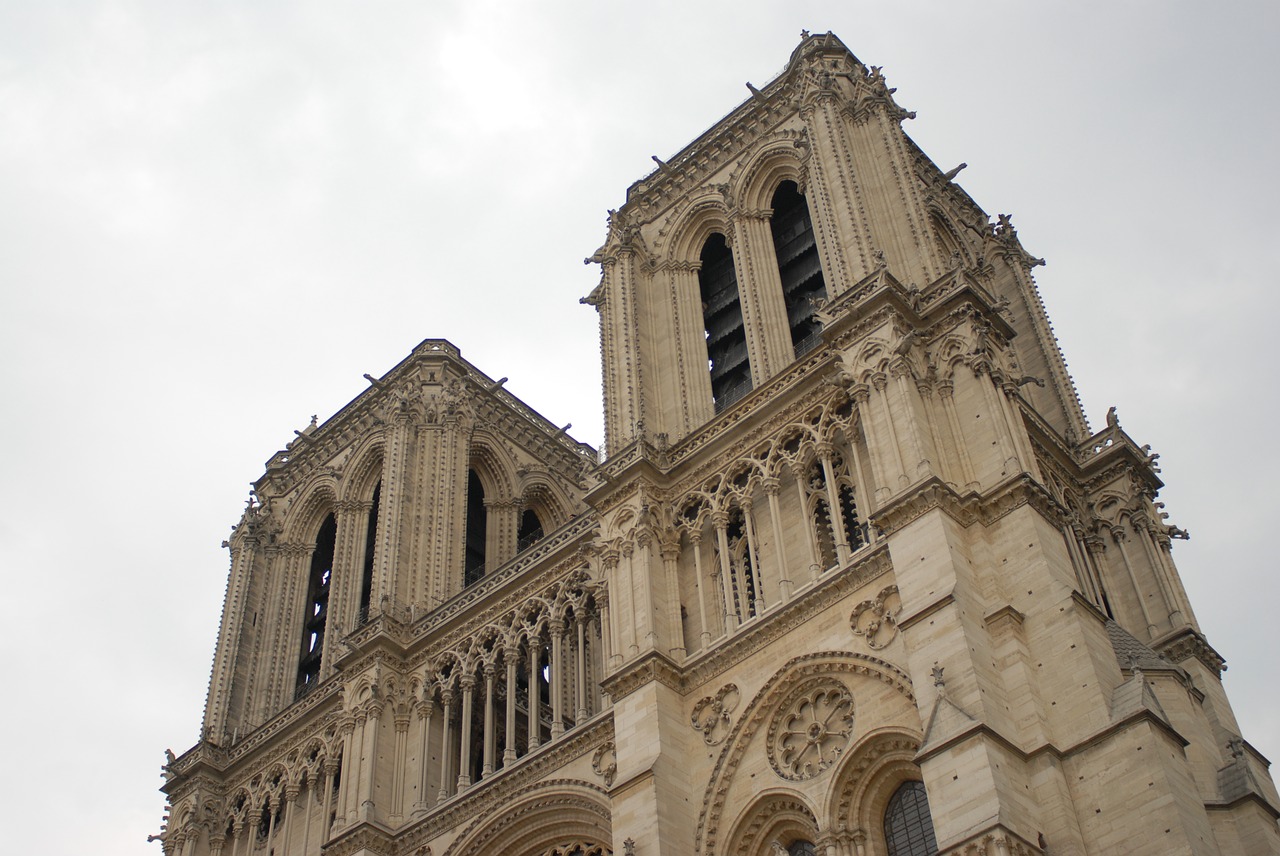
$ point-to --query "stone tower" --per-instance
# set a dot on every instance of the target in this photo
(855, 578)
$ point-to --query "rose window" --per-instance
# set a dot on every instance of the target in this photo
(811, 730)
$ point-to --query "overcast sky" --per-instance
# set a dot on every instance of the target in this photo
(214, 218)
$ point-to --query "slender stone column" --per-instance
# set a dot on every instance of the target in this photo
(1119, 535)
(291, 791)
(425, 710)
(216, 840)
(880, 383)
(865, 490)
(312, 797)
(580, 662)
(901, 372)
(468, 682)
(487, 769)
(825, 450)
(370, 760)
(1142, 525)
(535, 729)
(273, 805)
(1000, 423)
(510, 655)
(330, 768)
(556, 626)
(397, 784)
(1096, 549)
(924, 389)
(695, 538)
(721, 521)
(946, 395)
(350, 768)
(446, 704)
(606, 627)
(631, 587)
(1083, 578)
(670, 552)
(610, 559)
(237, 834)
(771, 488)
(810, 536)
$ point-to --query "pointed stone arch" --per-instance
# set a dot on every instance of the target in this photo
(775, 160)
(860, 673)
(549, 814)
(364, 470)
(877, 765)
(776, 815)
(316, 501)
(705, 216)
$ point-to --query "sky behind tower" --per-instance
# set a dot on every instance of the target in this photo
(214, 218)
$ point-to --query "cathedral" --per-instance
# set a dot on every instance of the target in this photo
(853, 575)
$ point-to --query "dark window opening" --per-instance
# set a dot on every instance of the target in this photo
(744, 578)
(802, 848)
(798, 265)
(317, 612)
(908, 827)
(722, 319)
(370, 541)
(849, 510)
(477, 530)
(530, 530)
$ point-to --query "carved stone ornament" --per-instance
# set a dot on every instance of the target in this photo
(712, 715)
(877, 619)
(811, 729)
(605, 762)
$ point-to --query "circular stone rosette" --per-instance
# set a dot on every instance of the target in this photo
(811, 729)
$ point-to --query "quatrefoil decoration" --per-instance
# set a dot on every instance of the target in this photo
(713, 714)
(876, 619)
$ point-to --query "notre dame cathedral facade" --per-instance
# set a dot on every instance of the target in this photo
(855, 577)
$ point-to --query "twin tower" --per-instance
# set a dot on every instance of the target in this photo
(854, 578)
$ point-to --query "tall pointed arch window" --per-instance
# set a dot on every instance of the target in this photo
(370, 543)
(908, 826)
(722, 319)
(477, 530)
(798, 265)
(317, 609)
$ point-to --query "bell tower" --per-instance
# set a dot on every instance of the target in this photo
(854, 578)
(839, 423)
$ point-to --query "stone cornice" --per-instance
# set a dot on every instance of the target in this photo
(366, 837)
(645, 669)
(970, 508)
(1185, 643)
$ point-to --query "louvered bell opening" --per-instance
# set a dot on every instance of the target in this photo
(722, 319)
(798, 265)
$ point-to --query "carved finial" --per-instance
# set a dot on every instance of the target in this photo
(937, 676)
(629, 847)
(1236, 747)
(804, 34)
